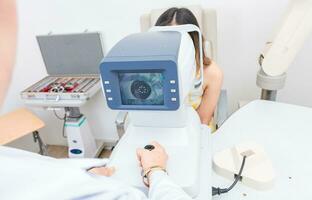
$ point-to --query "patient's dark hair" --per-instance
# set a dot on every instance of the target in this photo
(184, 16)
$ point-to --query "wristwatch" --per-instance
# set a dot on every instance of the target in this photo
(148, 171)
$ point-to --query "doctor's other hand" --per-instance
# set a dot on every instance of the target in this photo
(102, 171)
(151, 158)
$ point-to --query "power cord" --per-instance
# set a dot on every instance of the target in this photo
(57, 116)
(64, 122)
(238, 177)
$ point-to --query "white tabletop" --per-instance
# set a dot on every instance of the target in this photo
(285, 132)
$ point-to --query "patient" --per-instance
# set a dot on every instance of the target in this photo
(205, 97)
(26, 175)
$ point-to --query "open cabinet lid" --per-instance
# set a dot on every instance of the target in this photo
(71, 54)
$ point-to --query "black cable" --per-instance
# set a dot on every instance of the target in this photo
(63, 130)
(57, 116)
(64, 122)
(218, 191)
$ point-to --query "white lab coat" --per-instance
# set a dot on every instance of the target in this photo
(25, 175)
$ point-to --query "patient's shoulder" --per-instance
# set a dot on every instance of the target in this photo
(213, 74)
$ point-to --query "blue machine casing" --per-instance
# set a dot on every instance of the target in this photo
(149, 52)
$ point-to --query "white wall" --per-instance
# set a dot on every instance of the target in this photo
(244, 26)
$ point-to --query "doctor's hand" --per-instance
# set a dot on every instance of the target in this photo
(151, 158)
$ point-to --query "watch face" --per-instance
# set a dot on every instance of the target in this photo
(141, 88)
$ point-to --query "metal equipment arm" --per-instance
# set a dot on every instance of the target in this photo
(289, 38)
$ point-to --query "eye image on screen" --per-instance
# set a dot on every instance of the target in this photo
(141, 88)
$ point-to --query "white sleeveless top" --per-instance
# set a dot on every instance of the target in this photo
(195, 97)
(196, 93)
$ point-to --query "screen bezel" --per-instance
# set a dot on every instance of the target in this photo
(110, 71)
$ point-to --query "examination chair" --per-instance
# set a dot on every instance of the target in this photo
(207, 19)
